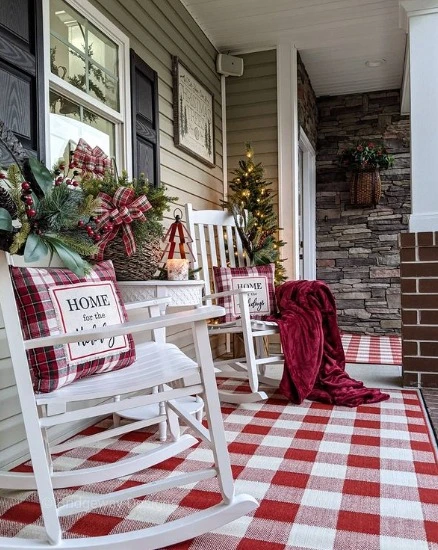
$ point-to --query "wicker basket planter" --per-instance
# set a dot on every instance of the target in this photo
(141, 266)
(365, 188)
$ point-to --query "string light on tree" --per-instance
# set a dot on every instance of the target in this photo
(250, 200)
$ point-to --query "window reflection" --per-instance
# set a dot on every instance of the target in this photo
(82, 55)
(70, 121)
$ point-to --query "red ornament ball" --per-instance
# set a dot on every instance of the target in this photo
(30, 213)
(25, 185)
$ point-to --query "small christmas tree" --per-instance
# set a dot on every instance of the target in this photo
(251, 202)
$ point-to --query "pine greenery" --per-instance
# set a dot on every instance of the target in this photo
(57, 214)
(250, 200)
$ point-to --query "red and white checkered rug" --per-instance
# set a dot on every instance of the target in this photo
(374, 350)
(326, 478)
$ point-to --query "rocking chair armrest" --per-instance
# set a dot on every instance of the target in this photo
(202, 313)
(241, 291)
(146, 303)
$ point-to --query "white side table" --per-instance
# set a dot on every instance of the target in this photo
(181, 293)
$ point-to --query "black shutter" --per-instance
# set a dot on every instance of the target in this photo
(145, 128)
(21, 74)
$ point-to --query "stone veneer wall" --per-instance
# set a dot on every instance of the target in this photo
(419, 286)
(307, 108)
(357, 248)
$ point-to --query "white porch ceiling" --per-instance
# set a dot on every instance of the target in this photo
(334, 37)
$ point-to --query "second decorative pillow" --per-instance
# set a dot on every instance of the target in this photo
(259, 279)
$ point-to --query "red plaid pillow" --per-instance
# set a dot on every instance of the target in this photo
(55, 300)
(91, 160)
(259, 278)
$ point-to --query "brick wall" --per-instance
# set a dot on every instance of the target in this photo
(419, 300)
(357, 248)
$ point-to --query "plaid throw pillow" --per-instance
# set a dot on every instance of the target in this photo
(55, 300)
(91, 159)
(260, 279)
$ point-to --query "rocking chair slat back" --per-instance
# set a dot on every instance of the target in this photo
(216, 242)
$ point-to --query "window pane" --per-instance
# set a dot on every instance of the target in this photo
(67, 24)
(67, 64)
(102, 86)
(103, 51)
(82, 55)
(69, 122)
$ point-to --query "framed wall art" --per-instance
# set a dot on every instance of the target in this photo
(193, 115)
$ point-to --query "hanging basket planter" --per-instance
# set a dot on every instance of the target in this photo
(365, 188)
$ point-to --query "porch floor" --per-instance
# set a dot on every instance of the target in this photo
(343, 491)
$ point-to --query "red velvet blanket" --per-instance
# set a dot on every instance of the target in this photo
(314, 366)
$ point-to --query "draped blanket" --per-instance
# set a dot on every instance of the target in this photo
(314, 366)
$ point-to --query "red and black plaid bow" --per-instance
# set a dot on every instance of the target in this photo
(120, 211)
(91, 160)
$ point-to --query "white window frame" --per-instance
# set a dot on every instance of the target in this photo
(122, 119)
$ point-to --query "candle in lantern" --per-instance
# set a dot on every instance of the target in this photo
(177, 269)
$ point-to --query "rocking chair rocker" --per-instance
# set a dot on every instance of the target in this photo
(150, 380)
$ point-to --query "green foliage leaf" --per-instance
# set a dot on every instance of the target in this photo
(70, 259)
(42, 175)
(5, 220)
(35, 248)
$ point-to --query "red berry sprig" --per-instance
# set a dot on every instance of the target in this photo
(66, 174)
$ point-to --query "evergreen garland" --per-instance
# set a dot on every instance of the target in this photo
(50, 212)
(250, 200)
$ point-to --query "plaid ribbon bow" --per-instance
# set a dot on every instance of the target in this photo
(91, 160)
(120, 210)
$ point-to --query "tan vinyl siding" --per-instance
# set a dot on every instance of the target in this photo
(156, 30)
(252, 113)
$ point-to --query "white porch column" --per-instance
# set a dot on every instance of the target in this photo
(287, 112)
(420, 19)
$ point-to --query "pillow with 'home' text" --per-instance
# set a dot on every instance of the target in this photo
(55, 300)
(259, 279)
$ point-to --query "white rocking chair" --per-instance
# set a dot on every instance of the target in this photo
(216, 242)
(158, 365)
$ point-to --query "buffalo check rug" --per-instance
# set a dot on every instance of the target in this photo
(326, 478)
(372, 349)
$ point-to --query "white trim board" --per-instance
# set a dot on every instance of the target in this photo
(287, 116)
